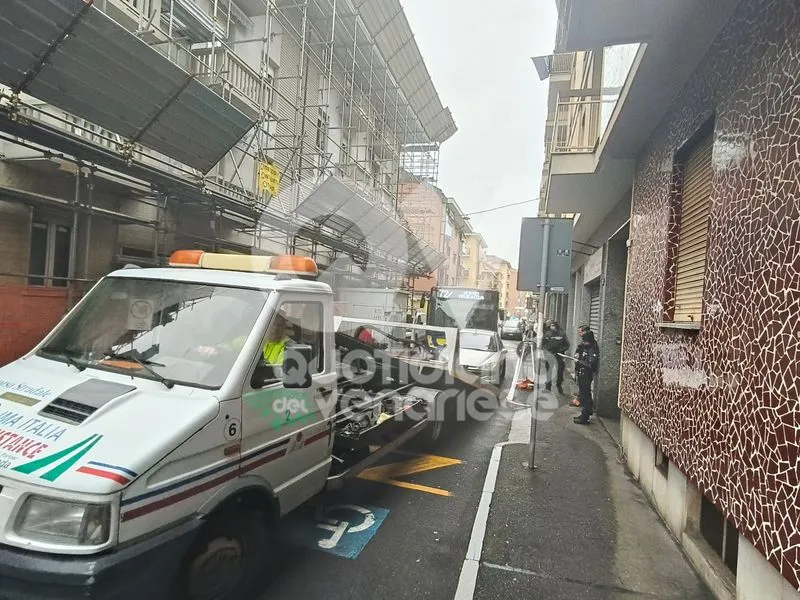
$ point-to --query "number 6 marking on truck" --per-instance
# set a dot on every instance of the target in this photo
(232, 429)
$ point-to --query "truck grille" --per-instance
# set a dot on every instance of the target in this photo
(67, 410)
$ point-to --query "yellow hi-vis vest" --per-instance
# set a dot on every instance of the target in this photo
(274, 351)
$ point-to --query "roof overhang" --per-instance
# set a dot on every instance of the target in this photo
(387, 24)
(586, 24)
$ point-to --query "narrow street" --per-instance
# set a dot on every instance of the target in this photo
(418, 549)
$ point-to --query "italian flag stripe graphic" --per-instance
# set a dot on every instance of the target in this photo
(46, 461)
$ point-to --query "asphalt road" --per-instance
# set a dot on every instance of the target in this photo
(427, 512)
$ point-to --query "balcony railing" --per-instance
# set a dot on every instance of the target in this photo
(141, 6)
(554, 64)
(138, 16)
(223, 70)
(562, 64)
(579, 124)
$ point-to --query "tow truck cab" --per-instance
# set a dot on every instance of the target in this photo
(147, 445)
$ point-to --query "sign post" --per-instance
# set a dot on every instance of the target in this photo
(539, 336)
(544, 265)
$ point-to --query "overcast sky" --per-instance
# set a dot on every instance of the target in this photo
(479, 56)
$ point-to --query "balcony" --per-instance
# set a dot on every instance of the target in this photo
(93, 63)
(597, 138)
(137, 16)
(557, 67)
(229, 76)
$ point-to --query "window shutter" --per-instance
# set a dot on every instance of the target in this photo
(594, 309)
(693, 240)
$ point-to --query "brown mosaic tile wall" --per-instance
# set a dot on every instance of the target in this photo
(723, 402)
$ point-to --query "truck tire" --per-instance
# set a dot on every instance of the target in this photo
(439, 428)
(227, 559)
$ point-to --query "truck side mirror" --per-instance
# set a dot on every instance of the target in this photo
(297, 367)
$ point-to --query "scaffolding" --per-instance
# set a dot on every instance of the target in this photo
(333, 88)
(329, 100)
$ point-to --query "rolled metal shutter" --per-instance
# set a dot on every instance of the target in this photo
(594, 309)
(693, 241)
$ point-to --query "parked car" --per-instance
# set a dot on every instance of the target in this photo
(482, 353)
(513, 328)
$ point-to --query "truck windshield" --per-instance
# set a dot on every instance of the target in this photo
(186, 333)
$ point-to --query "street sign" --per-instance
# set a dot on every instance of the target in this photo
(559, 254)
(269, 178)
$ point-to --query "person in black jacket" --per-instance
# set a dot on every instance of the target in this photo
(587, 360)
(555, 342)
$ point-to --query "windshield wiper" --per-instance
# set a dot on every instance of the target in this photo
(74, 362)
(66, 356)
(143, 363)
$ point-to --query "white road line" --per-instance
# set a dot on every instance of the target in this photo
(469, 570)
(515, 570)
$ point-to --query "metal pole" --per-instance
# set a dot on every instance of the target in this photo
(87, 248)
(73, 237)
(539, 336)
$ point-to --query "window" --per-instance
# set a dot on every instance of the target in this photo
(185, 332)
(322, 130)
(690, 267)
(720, 534)
(299, 323)
(48, 263)
(483, 342)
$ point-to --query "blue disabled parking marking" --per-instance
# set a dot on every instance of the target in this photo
(340, 529)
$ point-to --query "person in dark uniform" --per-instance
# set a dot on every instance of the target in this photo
(587, 360)
(555, 342)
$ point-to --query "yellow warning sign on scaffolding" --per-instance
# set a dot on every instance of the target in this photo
(269, 178)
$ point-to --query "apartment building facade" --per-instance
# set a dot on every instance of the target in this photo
(473, 258)
(686, 245)
(230, 125)
(438, 221)
(499, 276)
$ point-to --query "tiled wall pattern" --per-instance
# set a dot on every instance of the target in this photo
(724, 402)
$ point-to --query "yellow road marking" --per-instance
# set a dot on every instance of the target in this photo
(426, 462)
(409, 486)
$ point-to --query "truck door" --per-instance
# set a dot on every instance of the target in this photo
(286, 433)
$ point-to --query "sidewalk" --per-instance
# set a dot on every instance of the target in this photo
(577, 527)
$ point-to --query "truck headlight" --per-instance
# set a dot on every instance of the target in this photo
(64, 523)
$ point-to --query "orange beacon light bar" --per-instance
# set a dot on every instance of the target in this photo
(287, 264)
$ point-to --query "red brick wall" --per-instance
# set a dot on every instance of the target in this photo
(27, 314)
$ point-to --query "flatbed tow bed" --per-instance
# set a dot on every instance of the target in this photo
(425, 380)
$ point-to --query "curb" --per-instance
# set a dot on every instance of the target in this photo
(618, 444)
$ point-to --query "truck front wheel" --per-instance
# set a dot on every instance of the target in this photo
(226, 560)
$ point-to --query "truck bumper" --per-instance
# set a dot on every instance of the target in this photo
(140, 570)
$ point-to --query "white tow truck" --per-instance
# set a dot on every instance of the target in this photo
(148, 446)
